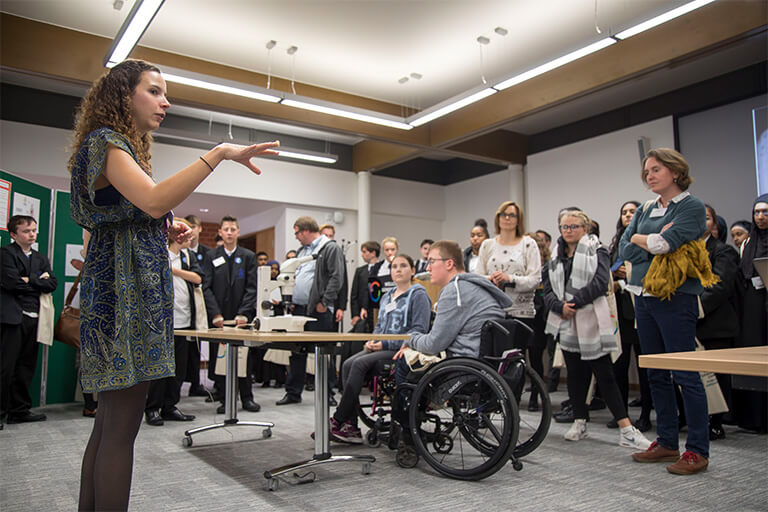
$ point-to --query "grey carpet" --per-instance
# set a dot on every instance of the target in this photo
(40, 465)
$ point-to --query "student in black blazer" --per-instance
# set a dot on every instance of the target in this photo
(24, 276)
(197, 251)
(358, 296)
(230, 288)
(165, 393)
(720, 325)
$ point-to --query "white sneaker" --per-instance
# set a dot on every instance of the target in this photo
(630, 437)
(577, 431)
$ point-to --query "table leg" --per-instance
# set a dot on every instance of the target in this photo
(230, 404)
(322, 435)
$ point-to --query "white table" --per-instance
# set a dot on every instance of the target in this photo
(323, 343)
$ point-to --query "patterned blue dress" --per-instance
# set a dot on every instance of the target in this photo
(126, 297)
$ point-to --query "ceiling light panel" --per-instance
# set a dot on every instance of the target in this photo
(663, 18)
(432, 114)
(134, 26)
(358, 115)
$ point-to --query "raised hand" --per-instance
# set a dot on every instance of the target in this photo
(243, 154)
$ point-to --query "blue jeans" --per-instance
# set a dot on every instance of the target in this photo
(670, 326)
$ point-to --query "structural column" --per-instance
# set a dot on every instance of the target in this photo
(517, 185)
(363, 207)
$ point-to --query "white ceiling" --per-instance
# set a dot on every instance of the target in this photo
(364, 46)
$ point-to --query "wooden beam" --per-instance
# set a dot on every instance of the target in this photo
(73, 56)
(370, 155)
(688, 35)
(502, 145)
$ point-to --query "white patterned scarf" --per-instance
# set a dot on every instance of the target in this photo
(591, 332)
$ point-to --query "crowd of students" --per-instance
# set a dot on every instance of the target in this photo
(128, 310)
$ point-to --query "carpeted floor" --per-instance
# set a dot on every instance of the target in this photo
(40, 466)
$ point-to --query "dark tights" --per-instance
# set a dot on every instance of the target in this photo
(105, 482)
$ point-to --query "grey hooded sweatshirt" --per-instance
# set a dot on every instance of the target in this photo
(463, 306)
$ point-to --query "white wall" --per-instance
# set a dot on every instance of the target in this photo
(598, 175)
(408, 210)
(719, 146)
(473, 199)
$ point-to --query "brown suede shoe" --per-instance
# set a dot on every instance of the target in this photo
(656, 453)
(689, 464)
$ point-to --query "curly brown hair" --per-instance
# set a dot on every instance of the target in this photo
(108, 104)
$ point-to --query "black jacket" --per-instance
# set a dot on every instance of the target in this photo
(583, 296)
(190, 263)
(358, 295)
(230, 294)
(16, 295)
(200, 253)
(719, 302)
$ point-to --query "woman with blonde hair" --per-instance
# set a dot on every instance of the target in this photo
(126, 301)
(576, 281)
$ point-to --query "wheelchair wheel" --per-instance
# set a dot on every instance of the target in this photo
(464, 419)
(534, 425)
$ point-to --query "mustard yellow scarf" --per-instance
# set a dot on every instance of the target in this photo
(669, 271)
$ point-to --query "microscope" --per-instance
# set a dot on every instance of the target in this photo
(285, 283)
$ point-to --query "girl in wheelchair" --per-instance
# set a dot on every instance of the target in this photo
(403, 310)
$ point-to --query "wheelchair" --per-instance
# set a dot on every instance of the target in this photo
(462, 414)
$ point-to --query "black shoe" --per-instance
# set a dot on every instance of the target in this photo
(176, 415)
(596, 404)
(716, 433)
(265, 384)
(332, 401)
(154, 418)
(89, 413)
(642, 424)
(552, 386)
(26, 417)
(288, 399)
(564, 416)
(221, 409)
(565, 403)
(636, 403)
(198, 391)
(250, 405)
(533, 406)
(309, 387)
(612, 424)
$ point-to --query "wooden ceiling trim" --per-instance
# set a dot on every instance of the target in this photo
(370, 155)
(688, 35)
(502, 145)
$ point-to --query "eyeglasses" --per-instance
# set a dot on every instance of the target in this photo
(570, 227)
(431, 261)
(508, 215)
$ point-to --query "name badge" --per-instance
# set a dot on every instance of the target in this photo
(658, 212)
(390, 307)
(219, 261)
(757, 283)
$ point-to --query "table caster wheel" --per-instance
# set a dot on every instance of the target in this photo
(517, 465)
(266, 433)
(273, 484)
(366, 468)
(186, 442)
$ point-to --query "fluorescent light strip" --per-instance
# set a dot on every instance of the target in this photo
(663, 18)
(133, 28)
(419, 119)
(346, 113)
(170, 77)
(325, 158)
(560, 61)
(306, 156)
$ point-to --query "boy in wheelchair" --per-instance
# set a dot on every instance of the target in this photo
(466, 302)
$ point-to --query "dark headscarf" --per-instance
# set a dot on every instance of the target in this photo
(722, 229)
(742, 224)
(757, 244)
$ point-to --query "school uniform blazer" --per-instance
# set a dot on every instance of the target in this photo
(13, 291)
(230, 294)
(200, 254)
(718, 302)
(358, 295)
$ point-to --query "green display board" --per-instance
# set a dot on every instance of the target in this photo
(62, 376)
